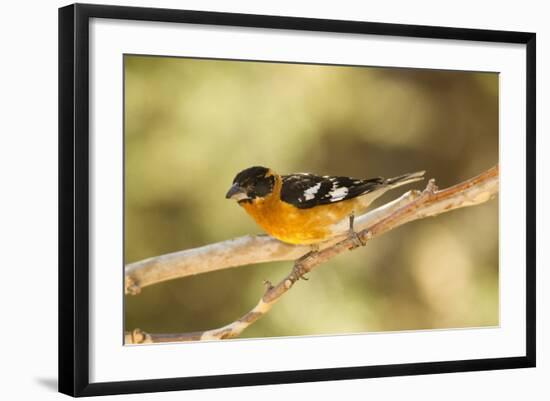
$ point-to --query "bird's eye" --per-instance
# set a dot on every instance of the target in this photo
(263, 187)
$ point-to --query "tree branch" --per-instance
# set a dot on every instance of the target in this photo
(246, 250)
(411, 206)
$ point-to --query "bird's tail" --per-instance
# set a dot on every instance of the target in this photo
(404, 179)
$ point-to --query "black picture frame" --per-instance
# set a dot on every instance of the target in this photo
(74, 194)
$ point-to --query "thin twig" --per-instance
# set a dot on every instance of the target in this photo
(430, 203)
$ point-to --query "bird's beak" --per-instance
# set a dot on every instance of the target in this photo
(236, 192)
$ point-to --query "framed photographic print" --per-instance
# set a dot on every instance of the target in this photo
(251, 199)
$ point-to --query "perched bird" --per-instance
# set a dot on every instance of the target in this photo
(305, 208)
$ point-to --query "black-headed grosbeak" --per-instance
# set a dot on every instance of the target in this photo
(304, 208)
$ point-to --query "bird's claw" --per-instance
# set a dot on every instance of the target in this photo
(298, 272)
(356, 239)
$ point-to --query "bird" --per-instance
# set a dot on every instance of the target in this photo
(304, 208)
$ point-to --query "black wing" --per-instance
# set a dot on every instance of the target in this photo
(308, 190)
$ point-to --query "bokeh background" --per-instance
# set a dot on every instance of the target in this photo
(191, 125)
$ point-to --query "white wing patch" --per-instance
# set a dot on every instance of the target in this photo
(310, 192)
(338, 193)
(307, 190)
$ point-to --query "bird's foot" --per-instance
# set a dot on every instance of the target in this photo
(356, 239)
(298, 271)
(314, 248)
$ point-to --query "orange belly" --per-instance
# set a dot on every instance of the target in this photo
(297, 226)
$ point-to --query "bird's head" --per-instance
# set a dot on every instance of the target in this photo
(253, 182)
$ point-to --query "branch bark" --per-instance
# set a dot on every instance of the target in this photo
(409, 207)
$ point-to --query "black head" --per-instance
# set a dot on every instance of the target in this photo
(254, 182)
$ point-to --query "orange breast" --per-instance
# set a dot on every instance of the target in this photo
(296, 226)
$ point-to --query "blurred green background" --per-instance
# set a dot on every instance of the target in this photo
(191, 125)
